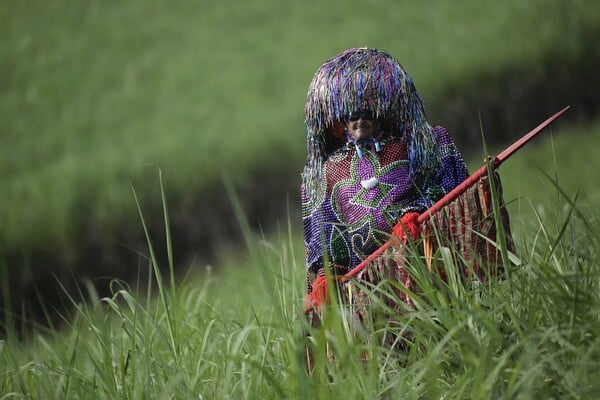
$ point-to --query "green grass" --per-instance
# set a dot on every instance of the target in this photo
(237, 334)
(94, 91)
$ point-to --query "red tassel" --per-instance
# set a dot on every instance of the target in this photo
(408, 225)
(319, 294)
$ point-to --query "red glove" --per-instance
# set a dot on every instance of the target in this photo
(407, 226)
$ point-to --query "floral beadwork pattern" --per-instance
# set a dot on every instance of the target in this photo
(357, 205)
(364, 196)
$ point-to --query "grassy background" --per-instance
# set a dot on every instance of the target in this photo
(96, 95)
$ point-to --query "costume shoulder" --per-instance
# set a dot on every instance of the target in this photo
(442, 135)
(445, 143)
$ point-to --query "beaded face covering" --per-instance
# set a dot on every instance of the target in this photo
(364, 79)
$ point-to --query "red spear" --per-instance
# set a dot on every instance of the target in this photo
(454, 193)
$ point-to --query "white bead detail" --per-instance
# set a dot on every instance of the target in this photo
(369, 183)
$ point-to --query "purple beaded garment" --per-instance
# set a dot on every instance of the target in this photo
(353, 193)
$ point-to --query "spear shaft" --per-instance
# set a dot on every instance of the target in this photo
(454, 193)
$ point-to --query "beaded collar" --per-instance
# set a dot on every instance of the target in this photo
(372, 144)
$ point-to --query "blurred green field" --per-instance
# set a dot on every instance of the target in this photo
(96, 95)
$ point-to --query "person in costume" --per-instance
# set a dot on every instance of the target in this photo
(373, 160)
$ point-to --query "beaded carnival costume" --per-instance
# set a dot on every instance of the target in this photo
(363, 200)
(353, 193)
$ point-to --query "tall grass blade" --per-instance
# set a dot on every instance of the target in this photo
(160, 283)
(167, 235)
(240, 215)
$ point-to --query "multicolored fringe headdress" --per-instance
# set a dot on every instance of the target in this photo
(364, 79)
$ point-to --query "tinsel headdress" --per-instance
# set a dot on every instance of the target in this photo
(364, 79)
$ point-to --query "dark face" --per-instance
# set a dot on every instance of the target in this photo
(362, 125)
